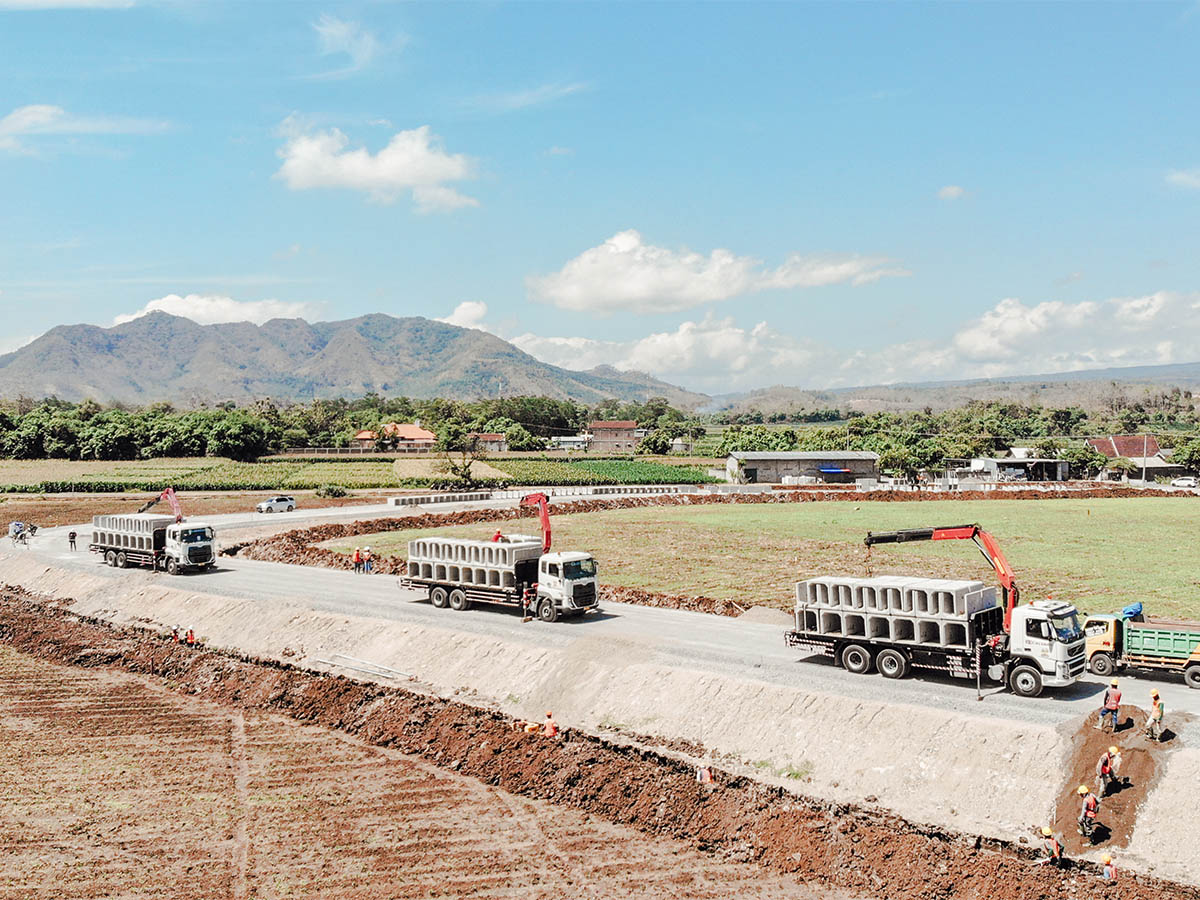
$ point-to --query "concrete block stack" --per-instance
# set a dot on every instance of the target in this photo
(491, 563)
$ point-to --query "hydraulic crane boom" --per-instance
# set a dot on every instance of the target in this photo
(169, 496)
(541, 502)
(983, 540)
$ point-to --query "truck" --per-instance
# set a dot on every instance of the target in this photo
(1162, 645)
(510, 569)
(895, 624)
(158, 542)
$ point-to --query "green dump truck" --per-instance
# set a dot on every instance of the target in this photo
(1171, 645)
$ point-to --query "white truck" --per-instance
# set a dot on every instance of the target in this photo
(158, 542)
(513, 569)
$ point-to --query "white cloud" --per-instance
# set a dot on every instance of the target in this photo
(210, 309)
(951, 192)
(44, 119)
(625, 273)
(512, 101)
(336, 37)
(10, 342)
(65, 4)
(412, 161)
(468, 314)
(1184, 178)
(1011, 338)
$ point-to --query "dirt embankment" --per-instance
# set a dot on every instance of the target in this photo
(860, 850)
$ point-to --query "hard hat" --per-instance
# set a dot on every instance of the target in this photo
(1113, 682)
(366, 548)
(1154, 692)
(549, 715)
(1082, 789)
(1114, 750)
(1106, 858)
(1046, 831)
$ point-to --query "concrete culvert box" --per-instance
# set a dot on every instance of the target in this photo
(954, 634)
(831, 623)
(879, 628)
(929, 632)
(854, 625)
(904, 630)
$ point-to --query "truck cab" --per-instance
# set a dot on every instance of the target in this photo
(568, 579)
(1046, 633)
(189, 545)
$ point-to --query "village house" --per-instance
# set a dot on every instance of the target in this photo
(617, 436)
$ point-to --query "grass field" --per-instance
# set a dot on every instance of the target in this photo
(1099, 554)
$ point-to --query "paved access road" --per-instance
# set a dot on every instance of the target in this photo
(671, 637)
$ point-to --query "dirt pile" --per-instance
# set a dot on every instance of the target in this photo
(856, 849)
(1139, 772)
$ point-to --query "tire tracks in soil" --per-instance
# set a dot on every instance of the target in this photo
(241, 782)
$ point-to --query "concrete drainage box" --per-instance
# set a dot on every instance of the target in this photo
(930, 612)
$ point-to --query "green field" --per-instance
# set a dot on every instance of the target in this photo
(1099, 554)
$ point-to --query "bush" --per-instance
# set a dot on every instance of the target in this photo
(331, 490)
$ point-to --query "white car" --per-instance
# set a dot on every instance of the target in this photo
(1187, 481)
(277, 504)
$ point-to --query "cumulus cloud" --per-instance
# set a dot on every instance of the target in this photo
(338, 37)
(1011, 338)
(211, 309)
(468, 314)
(1184, 178)
(951, 192)
(413, 161)
(44, 119)
(626, 273)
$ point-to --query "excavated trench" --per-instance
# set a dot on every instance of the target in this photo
(856, 849)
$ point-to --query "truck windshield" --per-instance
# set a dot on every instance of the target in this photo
(582, 568)
(1066, 628)
(194, 535)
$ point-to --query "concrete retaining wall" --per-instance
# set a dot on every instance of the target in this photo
(984, 776)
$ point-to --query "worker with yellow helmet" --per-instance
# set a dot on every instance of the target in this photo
(1054, 847)
(1154, 721)
(1088, 810)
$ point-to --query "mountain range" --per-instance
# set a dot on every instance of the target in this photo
(163, 357)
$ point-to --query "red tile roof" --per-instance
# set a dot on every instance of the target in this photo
(408, 432)
(365, 436)
(487, 435)
(1127, 445)
(618, 425)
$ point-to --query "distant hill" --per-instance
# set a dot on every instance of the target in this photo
(164, 357)
(1089, 388)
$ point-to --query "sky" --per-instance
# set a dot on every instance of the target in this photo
(727, 196)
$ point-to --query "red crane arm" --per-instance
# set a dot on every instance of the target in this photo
(169, 496)
(541, 502)
(983, 540)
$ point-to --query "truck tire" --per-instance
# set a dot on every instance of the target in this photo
(458, 600)
(172, 566)
(547, 611)
(110, 558)
(121, 561)
(1025, 681)
(1191, 677)
(891, 663)
(1101, 664)
(437, 596)
(857, 659)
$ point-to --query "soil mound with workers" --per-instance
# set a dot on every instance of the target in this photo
(857, 849)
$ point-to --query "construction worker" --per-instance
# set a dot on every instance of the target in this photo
(357, 560)
(1088, 810)
(190, 639)
(175, 637)
(550, 728)
(1107, 768)
(1111, 706)
(71, 536)
(497, 537)
(1109, 873)
(366, 560)
(1154, 722)
(1054, 847)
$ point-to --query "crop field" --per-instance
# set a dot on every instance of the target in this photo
(115, 787)
(277, 473)
(1100, 554)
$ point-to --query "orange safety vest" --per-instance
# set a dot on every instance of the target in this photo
(550, 729)
(1110, 871)
(1106, 764)
(1156, 710)
(1089, 806)
(1112, 699)
(1053, 847)
(191, 636)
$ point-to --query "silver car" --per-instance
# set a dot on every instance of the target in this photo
(1187, 481)
(277, 504)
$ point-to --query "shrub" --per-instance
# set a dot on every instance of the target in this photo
(331, 490)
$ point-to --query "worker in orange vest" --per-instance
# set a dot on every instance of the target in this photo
(1154, 722)
(191, 638)
(1088, 811)
(1110, 868)
(1054, 847)
(1107, 769)
(175, 636)
(1111, 706)
(497, 536)
(550, 728)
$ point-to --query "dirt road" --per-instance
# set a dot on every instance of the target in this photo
(114, 786)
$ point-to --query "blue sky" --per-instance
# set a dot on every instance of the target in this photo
(728, 196)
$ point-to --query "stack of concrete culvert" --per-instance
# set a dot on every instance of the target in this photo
(919, 611)
(486, 563)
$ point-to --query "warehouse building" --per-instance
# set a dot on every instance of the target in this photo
(817, 466)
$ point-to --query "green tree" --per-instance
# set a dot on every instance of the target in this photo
(1085, 461)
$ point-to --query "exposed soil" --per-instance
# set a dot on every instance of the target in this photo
(858, 850)
(1140, 768)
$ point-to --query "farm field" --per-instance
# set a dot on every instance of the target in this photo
(116, 787)
(287, 474)
(1100, 553)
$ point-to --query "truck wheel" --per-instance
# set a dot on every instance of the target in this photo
(547, 612)
(172, 566)
(458, 600)
(1025, 681)
(1101, 664)
(891, 663)
(856, 659)
(1191, 677)
(122, 562)
(437, 596)
(110, 558)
